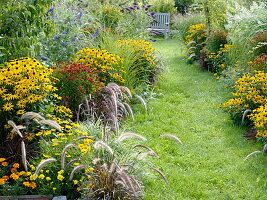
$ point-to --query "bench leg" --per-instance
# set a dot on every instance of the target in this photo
(166, 34)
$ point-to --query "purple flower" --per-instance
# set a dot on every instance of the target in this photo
(80, 14)
(86, 5)
(44, 58)
(56, 37)
(96, 33)
(74, 39)
(51, 9)
(154, 40)
(135, 4)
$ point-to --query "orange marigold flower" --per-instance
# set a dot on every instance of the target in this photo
(13, 170)
(5, 178)
(33, 185)
(5, 163)
(2, 181)
(16, 165)
(27, 184)
(2, 159)
(14, 176)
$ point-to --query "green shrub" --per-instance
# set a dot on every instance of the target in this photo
(22, 24)
(163, 6)
(217, 50)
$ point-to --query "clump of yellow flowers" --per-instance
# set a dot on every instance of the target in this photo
(24, 82)
(109, 65)
(251, 93)
(196, 33)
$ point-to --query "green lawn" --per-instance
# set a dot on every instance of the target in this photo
(210, 164)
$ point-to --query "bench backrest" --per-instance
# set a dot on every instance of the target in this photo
(162, 20)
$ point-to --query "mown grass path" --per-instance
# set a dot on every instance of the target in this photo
(210, 164)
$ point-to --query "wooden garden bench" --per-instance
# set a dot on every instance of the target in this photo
(161, 24)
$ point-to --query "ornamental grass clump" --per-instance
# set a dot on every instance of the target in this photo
(143, 67)
(110, 16)
(76, 80)
(110, 66)
(110, 105)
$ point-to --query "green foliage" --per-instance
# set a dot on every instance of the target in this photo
(110, 16)
(22, 23)
(163, 6)
(134, 20)
(71, 20)
(217, 50)
(183, 5)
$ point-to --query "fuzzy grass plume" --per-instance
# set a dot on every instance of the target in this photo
(125, 136)
(171, 136)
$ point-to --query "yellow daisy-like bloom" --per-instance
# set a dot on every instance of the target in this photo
(8, 106)
(48, 178)
(21, 112)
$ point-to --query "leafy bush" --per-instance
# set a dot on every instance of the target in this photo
(163, 6)
(75, 81)
(71, 20)
(217, 50)
(22, 23)
(259, 63)
(110, 16)
(135, 18)
(183, 6)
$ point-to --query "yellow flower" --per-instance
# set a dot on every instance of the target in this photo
(32, 167)
(61, 172)
(2, 159)
(41, 176)
(48, 178)
(8, 106)
(75, 182)
(60, 177)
